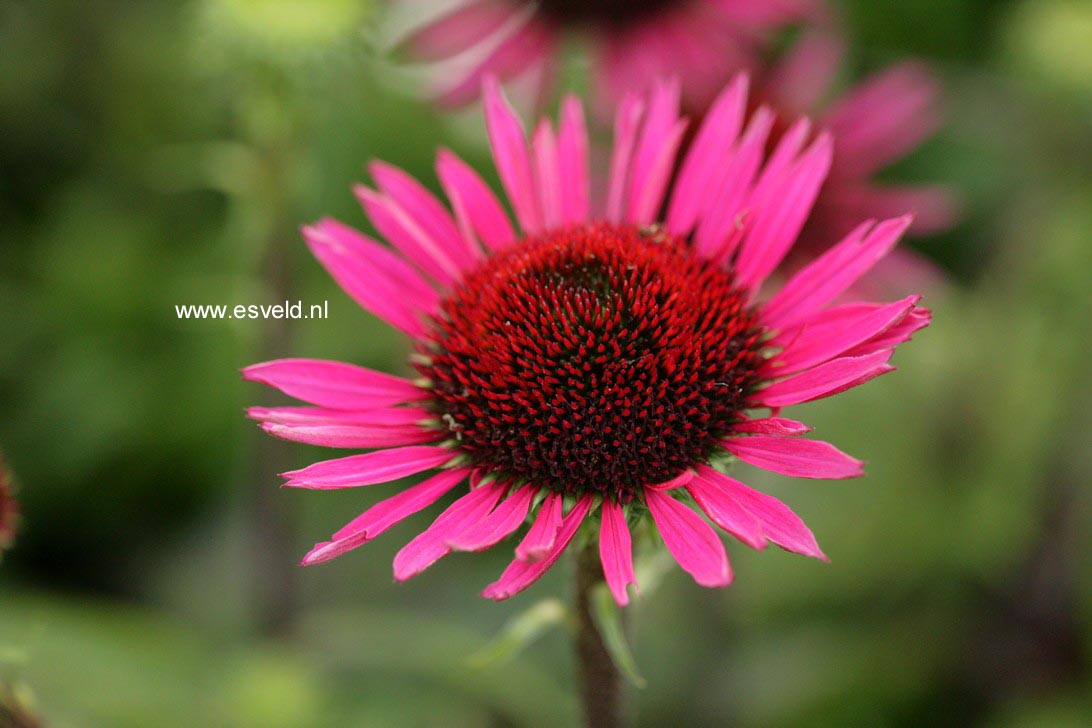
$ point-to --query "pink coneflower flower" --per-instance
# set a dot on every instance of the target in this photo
(632, 42)
(593, 363)
(877, 122)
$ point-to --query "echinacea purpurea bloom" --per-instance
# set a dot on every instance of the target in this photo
(600, 356)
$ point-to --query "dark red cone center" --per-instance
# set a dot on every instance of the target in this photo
(593, 359)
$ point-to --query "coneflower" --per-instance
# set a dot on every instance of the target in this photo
(597, 363)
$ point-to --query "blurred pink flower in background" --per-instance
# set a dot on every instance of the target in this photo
(876, 123)
(594, 361)
(632, 43)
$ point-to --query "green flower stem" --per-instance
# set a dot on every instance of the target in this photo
(601, 682)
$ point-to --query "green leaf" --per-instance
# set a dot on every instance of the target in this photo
(608, 620)
(519, 632)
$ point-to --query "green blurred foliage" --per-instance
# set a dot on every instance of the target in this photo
(152, 154)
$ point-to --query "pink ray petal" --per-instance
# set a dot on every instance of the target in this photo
(387, 417)
(726, 511)
(510, 154)
(626, 124)
(407, 235)
(370, 278)
(542, 535)
(370, 468)
(677, 482)
(807, 71)
(334, 384)
(884, 118)
(901, 332)
(779, 523)
(731, 185)
(778, 426)
(385, 514)
(836, 331)
(505, 518)
(390, 263)
(795, 457)
(544, 146)
(616, 551)
(427, 211)
(476, 207)
(695, 546)
(573, 157)
(521, 574)
(836, 375)
(778, 221)
(654, 153)
(458, 30)
(525, 49)
(430, 546)
(710, 149)
(935, 208)
(354, 436)
(828, 276)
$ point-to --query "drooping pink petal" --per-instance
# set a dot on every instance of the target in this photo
(626, 124)
(779, 523)
(726, 511)
(376, 278)
(505, 518)
(616, 551)
(834, 332)
(796, 457)
(709, 151)
(384, 514)
(459, 29)
(370, 468)
(821, 281)
(695, 546)
(476, 207)
(521, 574)
(511, 156)
(407, 235)
(428, 212)
(780, 217)
(541, 536)
(334, 384)
(677, 482)
(354, 436)
(430, 546)
(572, 147)
(825, 380)
(778, 426)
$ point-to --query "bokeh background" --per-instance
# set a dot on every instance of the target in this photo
(163, 153)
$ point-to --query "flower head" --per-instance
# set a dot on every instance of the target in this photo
(633, 42)
(596, 361)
